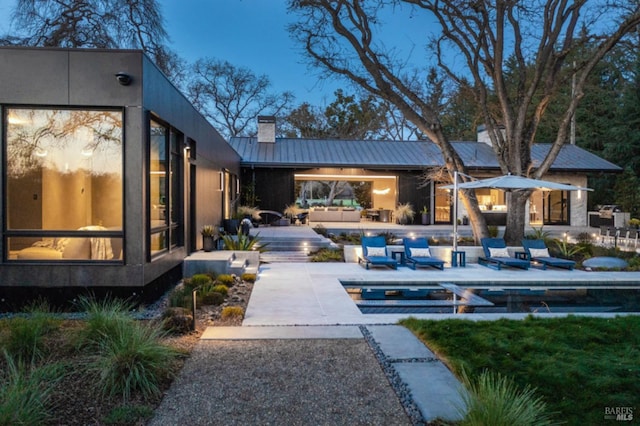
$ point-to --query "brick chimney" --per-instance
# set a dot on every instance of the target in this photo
(266, 128)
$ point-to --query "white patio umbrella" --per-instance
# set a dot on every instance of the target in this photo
(505, 183)
(514, 183)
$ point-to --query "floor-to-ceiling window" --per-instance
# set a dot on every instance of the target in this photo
(165, 188)
(442, 205)
(64, 187)
(556, 208)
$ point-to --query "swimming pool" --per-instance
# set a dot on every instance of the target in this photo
(416, 298)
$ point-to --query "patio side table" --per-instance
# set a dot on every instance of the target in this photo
(458, 259)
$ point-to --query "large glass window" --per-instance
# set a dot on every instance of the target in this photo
(165, 188)
(63, 184)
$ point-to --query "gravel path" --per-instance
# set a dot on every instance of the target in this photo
(277, 382)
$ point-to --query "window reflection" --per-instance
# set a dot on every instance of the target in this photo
(64, 173)
(165, 191)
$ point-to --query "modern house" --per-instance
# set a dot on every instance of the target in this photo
(108, 172)
(279, 171)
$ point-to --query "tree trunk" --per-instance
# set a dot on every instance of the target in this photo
(477, 220)
(516, 214)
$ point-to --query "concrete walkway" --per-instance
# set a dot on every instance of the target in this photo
(433, 388)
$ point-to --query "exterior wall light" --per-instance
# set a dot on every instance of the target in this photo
(124, 78)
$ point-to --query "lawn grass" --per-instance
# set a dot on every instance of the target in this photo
(579, 365)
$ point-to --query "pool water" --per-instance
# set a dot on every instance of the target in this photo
(401, 299)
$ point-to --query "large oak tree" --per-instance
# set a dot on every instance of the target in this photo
(472, 42)
(101, 24)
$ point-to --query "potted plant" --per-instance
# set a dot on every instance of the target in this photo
(426, 220)
(208, 237)
(292, 211)
(404, 213)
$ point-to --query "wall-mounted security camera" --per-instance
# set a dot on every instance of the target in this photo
(124, 78)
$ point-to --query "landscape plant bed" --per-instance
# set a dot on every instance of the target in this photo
(63, 354)
(580, 366)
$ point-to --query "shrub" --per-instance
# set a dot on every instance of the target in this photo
(584, 238)
(212, 298)
(250, 278)
(181, 297)
(177, 320)
(226, 279)
(221, 288)
(131, 360)
(232, 312)
(495, 400)
(25, 339)
(241, 242)
(25, 392)
(328, 255)
(389, 237)
(103, 318)
(566, 250)
(321, 230)
(493, 231)
(199, 280)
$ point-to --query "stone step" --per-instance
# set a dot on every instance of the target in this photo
(284, 256)
(299, 244)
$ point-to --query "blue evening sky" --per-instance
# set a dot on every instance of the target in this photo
(252, 34)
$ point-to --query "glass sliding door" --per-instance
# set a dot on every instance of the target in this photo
(556, 208)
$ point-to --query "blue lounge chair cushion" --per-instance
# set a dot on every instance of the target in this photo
(537, 251)
(502, 258)
(374, 253)
(416, 254)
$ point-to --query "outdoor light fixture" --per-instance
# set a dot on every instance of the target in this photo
(382, 191)
(124, 78)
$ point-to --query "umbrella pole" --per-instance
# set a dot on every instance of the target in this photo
(455, 211)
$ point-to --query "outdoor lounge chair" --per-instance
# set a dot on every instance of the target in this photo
(416, 253)
(374, 252)
(496, 255)
(538, 252)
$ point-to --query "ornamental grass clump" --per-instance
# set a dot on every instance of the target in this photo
(198, 280)
(493, 399)
(103, 318)
(212, 298)
(181, 297)
(25, 336)
(221, 288)
(248, 277)
(229, 312)
(225, 279)
(327, 255)
(25, 391)
(131, 360)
